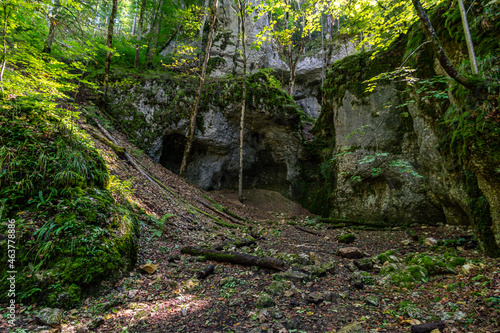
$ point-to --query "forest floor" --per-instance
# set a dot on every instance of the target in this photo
(239, 298)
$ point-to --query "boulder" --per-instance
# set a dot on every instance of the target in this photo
(49, 316)
(350, 253)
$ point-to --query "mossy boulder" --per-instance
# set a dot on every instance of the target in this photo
(346, 239)
(264, 301)
(71, 231)
(435, 265)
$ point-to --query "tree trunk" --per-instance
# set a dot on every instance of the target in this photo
(109, 44)
(235, 56)
(192, 124)
(436, 45)
(54, 16)
(200, 44)
(244, 97)
(468, 38)
(4, 43)
(153, 39)
(236, 258)
(134, 23)
(139, 34)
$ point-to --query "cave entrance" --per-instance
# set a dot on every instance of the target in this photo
(172, 152)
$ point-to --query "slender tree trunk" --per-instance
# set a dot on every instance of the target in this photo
(54, 18)
(468, 38)
(242, 8)
(155, 26)
(322, 50)
(109, 44)
(139, 34)
(436, 45)
(96, 19)
(235, 56)
(200, 43)
(192, 124)
(4, 42)
(134, 24)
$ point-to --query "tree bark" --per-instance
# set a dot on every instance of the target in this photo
(194, 113)
(205, 14)
(139, 34)
(236, 258)
(54, 16)
(242, 9)
(109, 44)
(436, 45)
(4, 42)
(468, 38)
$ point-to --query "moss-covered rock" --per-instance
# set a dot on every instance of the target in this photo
(71, 233)
(346, 239)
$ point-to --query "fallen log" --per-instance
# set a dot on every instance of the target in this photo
(427, 328)
(206, 272)
(236, 258)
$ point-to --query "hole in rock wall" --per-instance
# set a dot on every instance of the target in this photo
(171, 154)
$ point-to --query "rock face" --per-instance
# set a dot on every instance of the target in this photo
(386, 155)
(308, 76)
(156, 115)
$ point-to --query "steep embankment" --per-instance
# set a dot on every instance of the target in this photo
(417, 146)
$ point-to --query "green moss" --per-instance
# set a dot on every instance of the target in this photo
(346, 239)
(71, 233)
(434, 265)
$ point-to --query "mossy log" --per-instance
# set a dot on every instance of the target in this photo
(206, 272)
(120, 151)
(236, 258)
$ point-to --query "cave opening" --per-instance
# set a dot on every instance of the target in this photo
(172, 152)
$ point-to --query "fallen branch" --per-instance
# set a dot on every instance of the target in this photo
(203, 203)
(120, 151)
(236, 258)
(206, 272)
(364, 225)
(306, 230)
(427, 328)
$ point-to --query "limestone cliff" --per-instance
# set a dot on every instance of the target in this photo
(411, 151)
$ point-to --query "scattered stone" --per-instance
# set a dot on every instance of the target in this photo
(288, 293)
(360, 278)
(469, 269)
(149, 268)
(372, 300)
(406, 242)
(236, 302)
(352, 267)
(278, 315)
(352, 328)
(430, 241)
(276, 288)
(330, 296)
(314, 258)
(184, 312)
(171, 283)
(191, 285)
(410, 322)
(132, 293)
(350, 253)
(346, 239)
(315, 298)
(263, 316)
(95, 323)
(365, 264)
(50, 317)
(293, 276)
(255, 330)
(264, 301)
